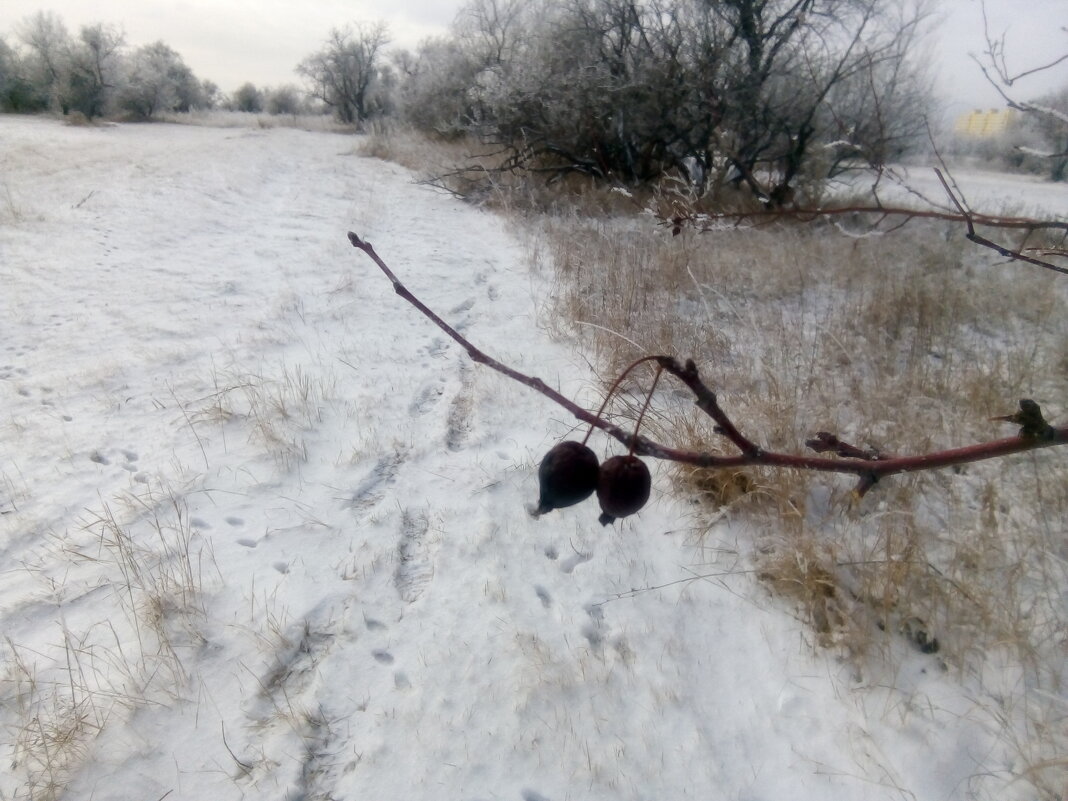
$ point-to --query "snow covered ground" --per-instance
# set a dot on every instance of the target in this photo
(263, 528)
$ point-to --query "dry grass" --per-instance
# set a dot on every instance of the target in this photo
(246, 119)
(277, 408)
(155, 566)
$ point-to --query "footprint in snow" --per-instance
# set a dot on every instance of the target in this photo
(543, 596)
(426, 398)
(466, 306)
(415, 566)
(573, 561)
(594, 630)
(383, 656)
(437, 346)
(369, 492)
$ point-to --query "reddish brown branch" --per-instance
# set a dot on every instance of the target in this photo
(702, 219)
(970, 219)
(869, 467)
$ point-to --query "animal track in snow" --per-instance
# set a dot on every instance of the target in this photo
(383, 656)
(543, 595)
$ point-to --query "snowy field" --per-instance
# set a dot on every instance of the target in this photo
(263, 527)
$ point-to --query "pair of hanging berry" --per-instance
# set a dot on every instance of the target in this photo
(570, 473)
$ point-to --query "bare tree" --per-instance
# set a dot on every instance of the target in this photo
(1049, 113)
(739, 90)
(344, 74)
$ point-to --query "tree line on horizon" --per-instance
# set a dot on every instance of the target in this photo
(717, 91)
(45, 68)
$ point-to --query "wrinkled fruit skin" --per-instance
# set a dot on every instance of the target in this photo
(567, 475)
(623, 487)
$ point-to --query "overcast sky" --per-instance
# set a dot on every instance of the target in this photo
(233, 41)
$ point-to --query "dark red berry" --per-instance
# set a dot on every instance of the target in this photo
(567, 475)
(623, 487)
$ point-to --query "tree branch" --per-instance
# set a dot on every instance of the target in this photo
(972, 236)
(869, 467)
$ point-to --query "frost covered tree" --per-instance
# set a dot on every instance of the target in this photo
(94, 70)
(156, 80)
(16, 92)
(346, 74)
(247, 98)
(284, 100)
(47, 41)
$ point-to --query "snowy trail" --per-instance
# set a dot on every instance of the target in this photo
(263, 530)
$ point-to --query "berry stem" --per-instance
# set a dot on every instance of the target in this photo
(641, 414)
(615, 386)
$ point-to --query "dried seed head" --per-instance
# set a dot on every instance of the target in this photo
(623, 487)
(567, 475)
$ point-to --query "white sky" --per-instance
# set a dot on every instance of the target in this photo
(233, 41)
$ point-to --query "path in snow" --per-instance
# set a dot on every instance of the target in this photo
(263, 530)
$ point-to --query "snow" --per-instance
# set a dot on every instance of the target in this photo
(264, 530)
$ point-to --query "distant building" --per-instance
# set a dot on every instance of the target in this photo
(981, 124)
